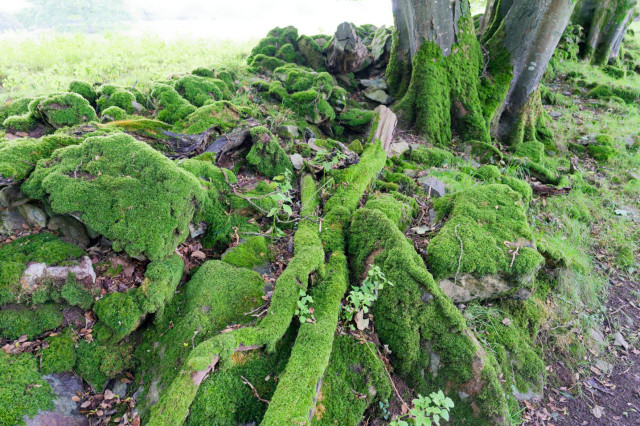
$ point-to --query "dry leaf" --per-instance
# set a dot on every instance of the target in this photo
(109, 395)
(597, 411)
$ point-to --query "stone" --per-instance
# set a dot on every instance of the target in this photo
(377, 95)
(378, 83)
(398, 148)
(70, 229)
(604, 366)
(65, 411)
(10, 195)
(119, 388)
(311, 52)
(467, 287)
(34, 216)
(432, 186)
(409, 172)
(288, 132)
(35, 272)
(596, 335)
(312, 144)
(618, 340)
(381, 44)
(10, 221)
(297, 161)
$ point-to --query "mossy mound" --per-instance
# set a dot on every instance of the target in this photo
(129, 99)
(491, 222)
(23, 391)
(202, 90)
(266, 154)
(96, 363)
(45, 248)
(603, 150)
(124, 190)
(17, 321)
(114, 113)
(85, 90)
(67, 109)
(397, 207)
(170, 105)
(14, 107)
(221, 115)
(249, 254)
(60, 354)
(430, 157)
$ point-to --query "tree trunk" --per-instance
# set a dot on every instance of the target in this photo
(434, 67)
(605, 23)
(521, 38)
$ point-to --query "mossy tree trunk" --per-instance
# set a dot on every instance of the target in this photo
(605, 23)
(434, 67)
(520, 38)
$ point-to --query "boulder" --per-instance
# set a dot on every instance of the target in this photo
(36, 272)
(297, 161)
(378, 95)
(65, 412)
(398, 148)
(34, 216)
(70, 229)
(432, 186)
(378, 83)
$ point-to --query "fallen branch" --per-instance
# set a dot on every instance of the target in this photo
(542, 189)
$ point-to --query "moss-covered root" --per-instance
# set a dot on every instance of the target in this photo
(432, 347)
(443, 91)
(173, 407)
(294, 399)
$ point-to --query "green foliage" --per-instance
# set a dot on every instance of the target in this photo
(60, 354)
(426, 410)
(360, 299)
(117, 183)
(304, 311)
(23, 391)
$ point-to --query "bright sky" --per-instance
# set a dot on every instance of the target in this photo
(245, 19)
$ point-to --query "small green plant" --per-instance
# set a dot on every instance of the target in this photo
(327, 161)
(361, 298)
(303, 310)
(426, 410)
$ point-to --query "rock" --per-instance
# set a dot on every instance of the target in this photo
(297, 161)
(197, 230)
(398, 148)
(34, 216)
(377, 95)
(346, 53)
(288, 132)
(65, 412)
(381, 45)
(604, 366)
(618, 340)
(10, 221)
(311, 52)
(596, 335)
(10, 195)
(432, 186)
(384, 124)
(378, 83)
(70, 229)
(409, 172)
(119, 388)
(312, 144)
(467, 287)
(527, 396)
(35, 272)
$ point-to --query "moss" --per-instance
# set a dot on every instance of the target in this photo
(603, 91)
(398, 72)
(277, 91)
(14, 107)
(354, 370)
(287, 53)
(488, 173)
(97, 363)
(266, 154)
(199, 90)
(19, 321)
(431, 157)
(520, 186)
(397, 207)
(171, 106)
(430, 328)
(67, 109)
(484, 218)
(249, 254)
(60, 354)
(109, 95)
(114, 113)
(602, 153)
(356, 118)
(356, 146)
(203, 72)
(440, 85)
(120, 312)
(20, 123)
(310, 105)
(534, 151)
(23, 391)
(265, 63)
(76, 294)
(14, 257)
(295, 79)
(221, 115)
(141, 127)
(485, 152)
(116, 184)
(85, 90)
(160, 283)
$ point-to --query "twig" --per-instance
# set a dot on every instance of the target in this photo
(255, 392)
(366, 343)
(455, 278)
(75, 172)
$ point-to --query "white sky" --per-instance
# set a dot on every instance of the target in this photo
(245, 19)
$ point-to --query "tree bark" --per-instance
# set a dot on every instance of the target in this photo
(521, 38)
(434, 69)
(605, 23)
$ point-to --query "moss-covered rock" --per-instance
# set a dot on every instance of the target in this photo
(202, 90)
(397, 207)
(14, 107)
(266, 154)
(114, 113)
(310, 105)
(356, 118)
(250, 254)
(59, 355)
(124, 190)
(67, 109)
(488, 173)
(431, 157)
(16, 321)
(221, 115)
(170, 105)
(85, 90)
(23, 391)
(127, 99)
(603, 150)
(96, 363)
(20, 123)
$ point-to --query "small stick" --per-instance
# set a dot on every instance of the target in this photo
(255, 392)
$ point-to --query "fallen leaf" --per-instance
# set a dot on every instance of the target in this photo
(506, 322)
(597, 411)
(109, 395)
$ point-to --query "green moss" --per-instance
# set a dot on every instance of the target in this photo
(221, 115)
(14, 107)
(67, 109)
(440, 85)
(265, 64)
(160, 283)
(356, 146)
(398, 72)
(488, 173)
(266, 154)
(602, 153)
(354, 370)
(397, 207)
(85, 90)
(109, 95)
(117, 184)
(97, 363)
(114, 113)
(19, 321)
(14, 257)
(295, 79)
(120, 312)
(485, 152)
(60, 354)
(20, 123)
(23, 391)
(431, 157)
(203, 72)
(520, 186)
(171, 106)
(249, 254)
(76, 294)
(310, 105)
(142, 127)
(534, 151)
(277, 91)
(356, 118)
(484, 218)
(287, 53)
(199, 90)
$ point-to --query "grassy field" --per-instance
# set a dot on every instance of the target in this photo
(47, 63)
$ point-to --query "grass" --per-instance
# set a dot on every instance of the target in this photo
(49, 62)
